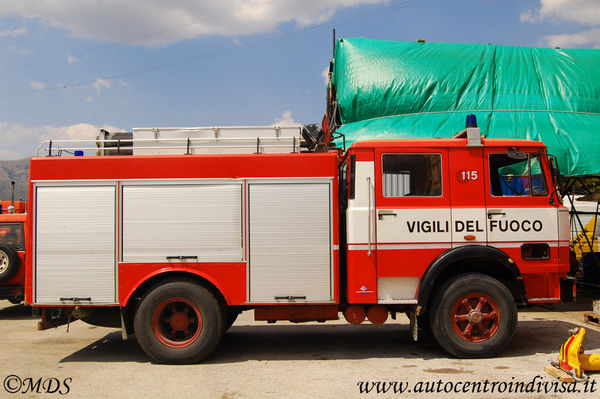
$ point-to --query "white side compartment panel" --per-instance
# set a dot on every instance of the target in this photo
(197, 220)
(397, 289)
(290, 237)
(75, 244)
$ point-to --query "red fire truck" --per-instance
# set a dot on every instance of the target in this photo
(172, 243)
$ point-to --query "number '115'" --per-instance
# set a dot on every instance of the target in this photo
(469, 175)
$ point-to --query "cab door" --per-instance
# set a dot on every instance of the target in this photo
(412, 216)
(523, 217)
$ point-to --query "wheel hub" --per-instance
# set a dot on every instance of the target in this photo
(3, 262)
(475, 317)
(177, 322)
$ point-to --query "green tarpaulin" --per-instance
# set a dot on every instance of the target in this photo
(409, 90)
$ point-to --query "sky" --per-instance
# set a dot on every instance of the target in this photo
(71, 67)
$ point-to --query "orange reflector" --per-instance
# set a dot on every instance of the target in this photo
(469, 237)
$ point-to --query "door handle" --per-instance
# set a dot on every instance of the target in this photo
(76, 299)
(369, 219)
(290, 298)
(495, 214)
(182, 257)
(381, 214)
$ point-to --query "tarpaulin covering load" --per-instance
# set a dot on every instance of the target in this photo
(391, 89)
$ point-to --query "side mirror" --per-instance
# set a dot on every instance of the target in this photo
(555, 172)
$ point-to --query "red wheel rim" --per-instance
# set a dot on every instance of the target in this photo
(177, 322)
(475, 317)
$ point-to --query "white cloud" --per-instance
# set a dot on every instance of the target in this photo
(325, 75)
(20, 50)
(89, 99)
(588, 39)
(580, 11)
(530, 16)
(286, 119)
(79, 131)
(14, 33)
(71, 59)
(123, 83)
(120, 20)
(9, 155)
(37, 85)
(18, 141)
(100, 84)
(583, 12)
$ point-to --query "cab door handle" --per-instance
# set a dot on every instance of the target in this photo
(495, 214)
(381, 214)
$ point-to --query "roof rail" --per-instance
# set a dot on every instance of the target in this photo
(195, 140)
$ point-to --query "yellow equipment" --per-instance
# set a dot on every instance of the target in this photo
(572, 359)
(585, 241)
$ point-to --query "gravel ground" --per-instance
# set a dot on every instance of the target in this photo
(286, 360)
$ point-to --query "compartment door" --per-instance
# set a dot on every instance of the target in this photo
(74, 247)
(290, 242)
(198, 222)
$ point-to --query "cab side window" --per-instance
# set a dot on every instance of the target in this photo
(415, 175)
(517, 176)
(12, 233)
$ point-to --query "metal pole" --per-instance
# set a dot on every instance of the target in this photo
(333, 42)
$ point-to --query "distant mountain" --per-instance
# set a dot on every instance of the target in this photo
(17, 171)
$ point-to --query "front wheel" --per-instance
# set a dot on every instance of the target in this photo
(179, 323)
(473, 316)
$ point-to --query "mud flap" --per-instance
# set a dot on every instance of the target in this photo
(123, 325)
(414, 328)
(568, 289)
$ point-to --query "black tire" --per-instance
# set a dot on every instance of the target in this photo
(15, 300)
(424, 326)
(179, 323)
(473, 316)
(9, 262)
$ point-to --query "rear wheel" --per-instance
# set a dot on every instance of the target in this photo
(9, 262)
(179, 323)
(473, 316)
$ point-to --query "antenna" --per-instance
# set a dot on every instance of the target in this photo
(333, 36)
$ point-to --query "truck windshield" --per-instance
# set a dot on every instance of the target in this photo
(12, 233)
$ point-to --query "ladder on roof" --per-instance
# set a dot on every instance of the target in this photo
(178, 140)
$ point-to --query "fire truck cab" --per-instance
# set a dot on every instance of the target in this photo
(172, 247)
